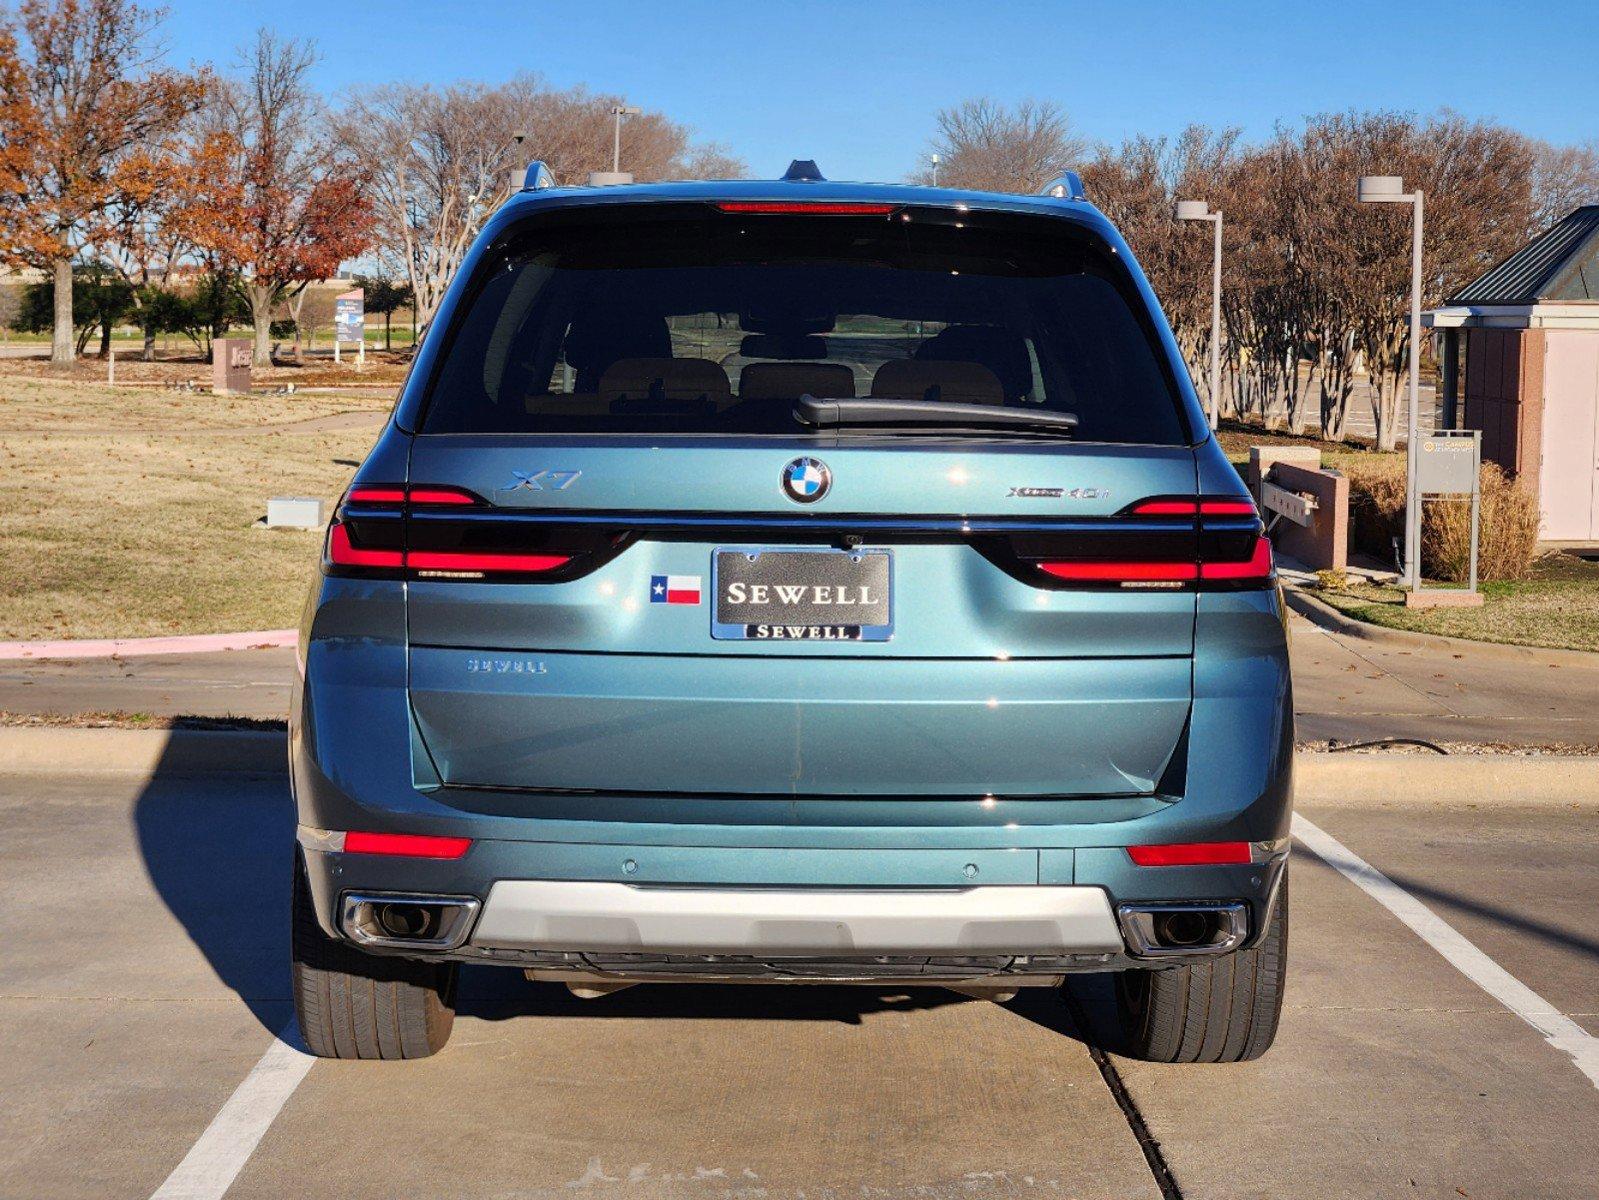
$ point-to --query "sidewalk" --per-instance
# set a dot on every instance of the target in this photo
(1345, 688)
(233, 683)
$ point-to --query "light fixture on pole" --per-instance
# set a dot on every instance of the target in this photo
(1196, 210)
(618, 111)
(1390, 189)
(518, 173)
(936, 161)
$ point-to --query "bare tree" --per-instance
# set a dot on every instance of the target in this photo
(1563, 178)
(439, 160)
(1137, 185)
(1310, 277)
(998, 148)
(1476, 177)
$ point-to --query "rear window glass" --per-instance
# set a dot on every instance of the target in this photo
(684, 319)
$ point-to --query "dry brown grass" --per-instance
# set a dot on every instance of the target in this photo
(193, 371)
(34, 404)
(1507, 536)
(129, 513)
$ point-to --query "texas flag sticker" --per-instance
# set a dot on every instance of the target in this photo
(674, 589)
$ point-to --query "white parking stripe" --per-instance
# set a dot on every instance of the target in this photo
(1559, 1030)
(214, 1162)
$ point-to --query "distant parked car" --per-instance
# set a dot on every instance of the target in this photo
(795, 581)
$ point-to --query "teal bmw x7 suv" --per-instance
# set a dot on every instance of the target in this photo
(795, 581)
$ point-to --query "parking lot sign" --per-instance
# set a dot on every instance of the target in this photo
(1449, 468)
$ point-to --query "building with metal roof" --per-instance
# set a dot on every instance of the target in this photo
(1561, 263)
(1526, 332)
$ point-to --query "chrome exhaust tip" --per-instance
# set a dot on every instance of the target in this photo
(1183, 930)
(405, 921)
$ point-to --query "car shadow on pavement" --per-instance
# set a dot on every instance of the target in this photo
(217, 848)
(1454, 902)
(500, 993)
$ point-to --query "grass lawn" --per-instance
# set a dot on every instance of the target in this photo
(127, 512)
(1557, 607)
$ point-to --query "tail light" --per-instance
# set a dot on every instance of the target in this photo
(455, 563)
(1122, 572)
(805, 207)
(407, 845)
(436, 532)
(1176, 542)
(1258, 566)
(1190, 854)
(342, 552)
(1185, 506)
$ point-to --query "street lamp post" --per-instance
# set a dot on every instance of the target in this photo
(936, 161)
(1390, 189)
(619, 111)
(1196, 210)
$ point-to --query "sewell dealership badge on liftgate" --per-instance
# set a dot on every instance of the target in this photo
(782, 594)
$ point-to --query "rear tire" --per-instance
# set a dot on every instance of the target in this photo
(1220, 1010)
(355, 1005)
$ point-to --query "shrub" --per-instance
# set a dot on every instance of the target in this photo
(1507, 533)
(1507, 537)
(1376, 504)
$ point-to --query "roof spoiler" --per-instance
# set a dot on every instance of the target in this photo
(536, 178)
(1066, 187)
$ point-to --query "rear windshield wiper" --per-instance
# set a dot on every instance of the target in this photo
(929, 415)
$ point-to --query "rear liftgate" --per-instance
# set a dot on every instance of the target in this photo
(733, 640)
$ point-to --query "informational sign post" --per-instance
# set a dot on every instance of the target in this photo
(349, 323)
(1448, 469)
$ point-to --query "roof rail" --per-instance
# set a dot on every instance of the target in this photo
(536, 178)
(1067, 187)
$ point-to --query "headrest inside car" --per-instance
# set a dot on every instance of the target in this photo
(1002, 351)
(790, 381)
(664, 379)
(949, 382)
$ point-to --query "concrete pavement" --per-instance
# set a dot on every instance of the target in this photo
(234, 683)
(142, 975)
(1354, 689)
(1345, 688)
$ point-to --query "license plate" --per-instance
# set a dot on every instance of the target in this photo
(771, 594)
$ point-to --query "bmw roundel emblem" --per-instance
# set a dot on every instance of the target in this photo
(807, 480)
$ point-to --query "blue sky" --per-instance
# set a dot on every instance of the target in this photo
(856, 85)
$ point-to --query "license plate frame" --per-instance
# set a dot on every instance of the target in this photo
(872, 564)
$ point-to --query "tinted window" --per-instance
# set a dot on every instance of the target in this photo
(685, 319)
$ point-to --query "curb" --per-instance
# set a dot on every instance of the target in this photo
(1334, 780)
(1321, 779)
(26, 750)
(193, 643)
(1319, 612)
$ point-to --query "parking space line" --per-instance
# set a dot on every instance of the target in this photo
(1559, 1030)
(214, 1162)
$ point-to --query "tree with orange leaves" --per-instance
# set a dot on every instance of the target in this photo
(276, 202)
(79, 93)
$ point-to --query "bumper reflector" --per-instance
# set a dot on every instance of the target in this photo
(1190, 854)
(408, 845)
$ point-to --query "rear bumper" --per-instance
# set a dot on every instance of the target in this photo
(607, 918)
(788, 913)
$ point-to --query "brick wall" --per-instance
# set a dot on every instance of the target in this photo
(1504, 398)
